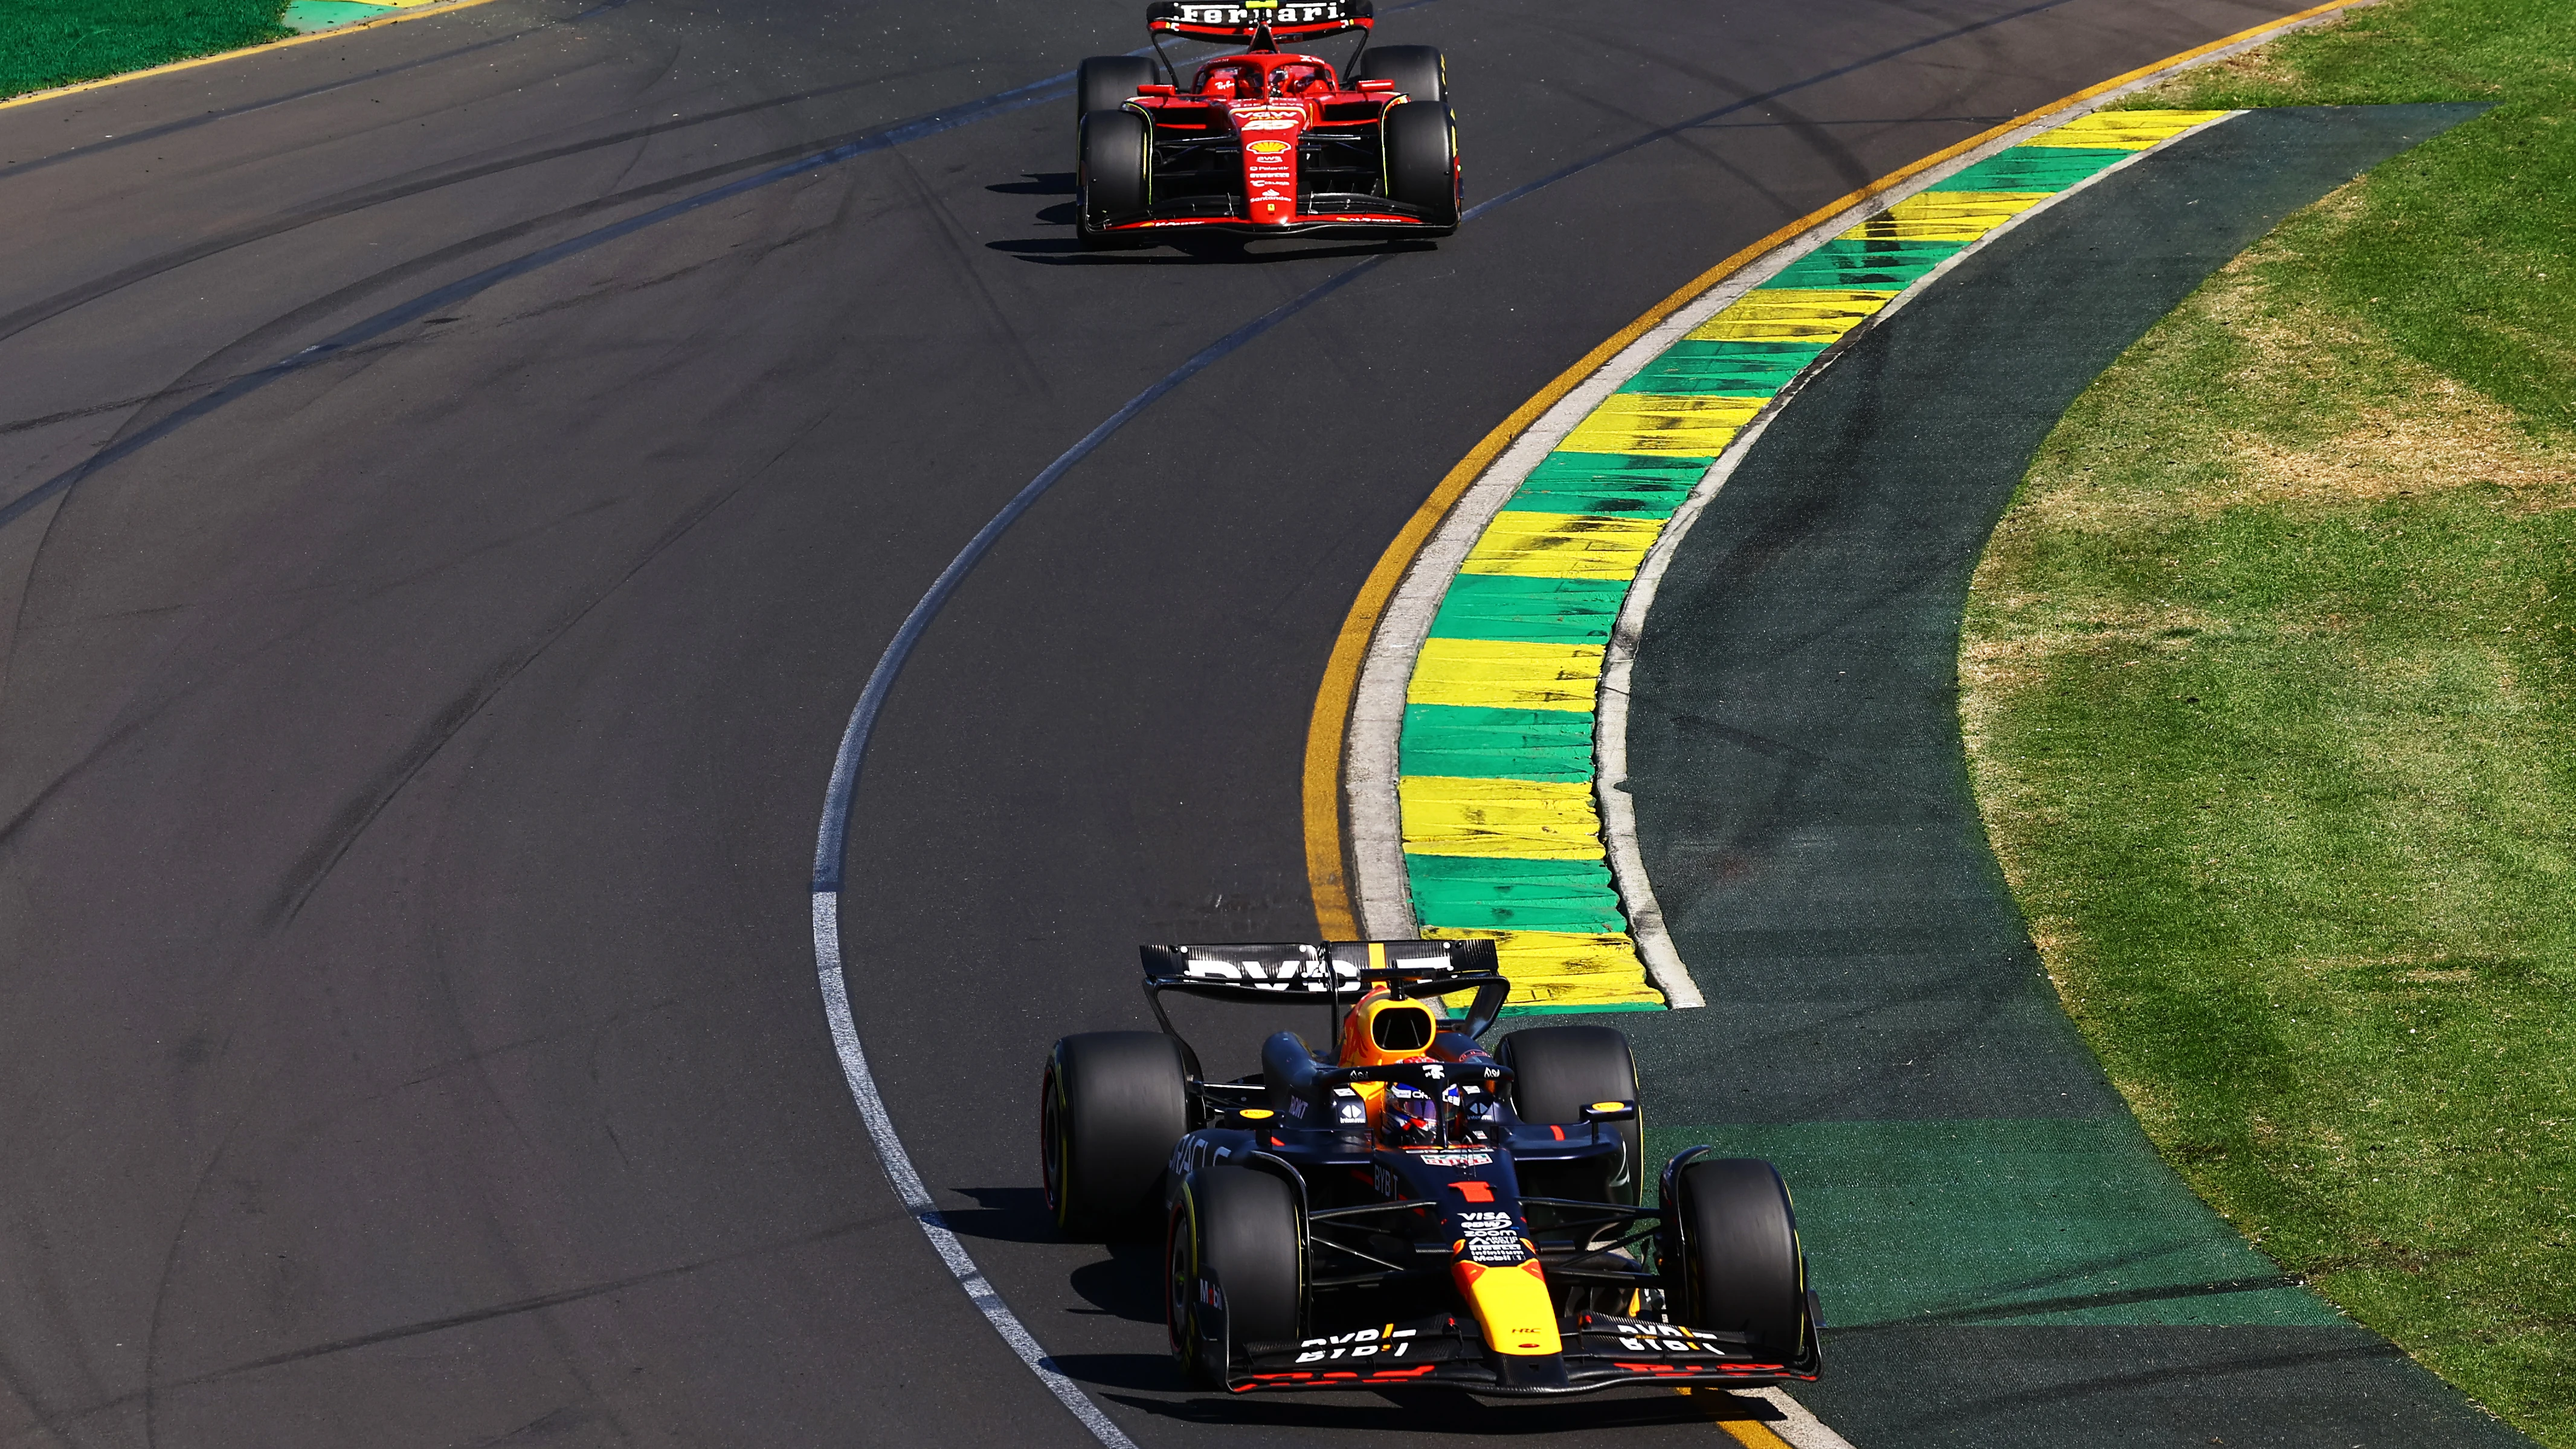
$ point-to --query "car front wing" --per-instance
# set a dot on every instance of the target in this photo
(1601, 1352)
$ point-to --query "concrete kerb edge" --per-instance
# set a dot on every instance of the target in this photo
(1380, 894)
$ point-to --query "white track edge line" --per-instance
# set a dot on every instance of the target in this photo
(917, 1201)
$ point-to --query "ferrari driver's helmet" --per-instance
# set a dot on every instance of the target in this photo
(1410, 1116)
(1383, 1028)
(1300, 78)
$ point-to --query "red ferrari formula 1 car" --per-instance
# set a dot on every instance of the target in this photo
(1407, 1210)
(1265, 142)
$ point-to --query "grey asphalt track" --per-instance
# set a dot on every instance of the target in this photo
(408, 1032)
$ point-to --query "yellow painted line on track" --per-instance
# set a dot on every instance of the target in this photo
(1500, 674)
(1751, 1433)
(410, 10)
(1563, 546)
(1327, 726)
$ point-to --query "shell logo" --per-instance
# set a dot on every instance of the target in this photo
(1266, 148)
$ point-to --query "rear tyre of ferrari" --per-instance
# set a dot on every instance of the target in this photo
(1111, 1109)
(1113, 176)
(1422, 161)
(1556, 1072)
(1740, 1269)
(1234, 1269)
(1106, 82)
(1417, 70)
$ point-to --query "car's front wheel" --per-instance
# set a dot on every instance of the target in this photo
(1234, 1269)
(1114, 174)
(1733, 1263)
(1422, 162)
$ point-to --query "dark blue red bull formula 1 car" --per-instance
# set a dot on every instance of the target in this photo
(1405, 1208)
(1265, 142)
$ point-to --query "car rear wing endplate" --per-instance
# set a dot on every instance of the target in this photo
(1281, 19)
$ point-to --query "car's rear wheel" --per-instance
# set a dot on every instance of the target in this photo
(1106, 82)
(1112, 1107)
(1234, 1269)
(1114, 174)
(1559, 1070)
(1417, 70)
(1422, 162)
(1740, 1269)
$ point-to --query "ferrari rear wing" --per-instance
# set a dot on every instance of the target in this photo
(1329, 972)
(1281, 19)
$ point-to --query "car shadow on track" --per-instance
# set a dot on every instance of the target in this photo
(1129, 1285)
(1197, 251)
(1004, 1215)
(1205, 250)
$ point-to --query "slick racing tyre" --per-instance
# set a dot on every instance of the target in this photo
(1422, 161)
(1417, 70)
(1732, 1260)
(1556, 1072)
(1234, 1270)
(1111, 1109)
(1106, 82)
(1112, 176)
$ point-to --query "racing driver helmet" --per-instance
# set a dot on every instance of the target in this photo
(1409, 1116)
(1300, 79)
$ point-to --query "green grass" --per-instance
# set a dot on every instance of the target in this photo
(47, 43)
(2269, 696)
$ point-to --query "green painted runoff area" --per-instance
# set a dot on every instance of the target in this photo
(2049, 1221)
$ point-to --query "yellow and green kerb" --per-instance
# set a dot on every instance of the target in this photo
(1495, 763)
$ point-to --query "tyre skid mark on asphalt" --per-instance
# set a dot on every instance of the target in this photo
(466, 288)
